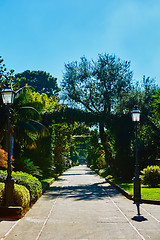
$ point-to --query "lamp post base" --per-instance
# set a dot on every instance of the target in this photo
(9, 191)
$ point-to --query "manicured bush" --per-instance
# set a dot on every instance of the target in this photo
(31, 183)
(151, 176)
(21, 195)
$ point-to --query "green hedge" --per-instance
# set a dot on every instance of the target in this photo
(21, 195)
(151, 176)
(31, 183)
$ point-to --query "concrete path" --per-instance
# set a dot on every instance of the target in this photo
(81, 205)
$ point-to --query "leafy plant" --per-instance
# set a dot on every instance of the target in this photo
(103, 172)
(21, 195)
(31, 183)
(151, 176)
(1, 194)
(29, 167)
(4, 158)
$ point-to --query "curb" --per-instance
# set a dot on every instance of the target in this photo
(130, 196)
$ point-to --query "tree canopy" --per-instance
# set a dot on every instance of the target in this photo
(96, 85)
(41, 81)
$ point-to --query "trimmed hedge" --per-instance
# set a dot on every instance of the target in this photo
(21, 195)
(31, 183)
(151, 176)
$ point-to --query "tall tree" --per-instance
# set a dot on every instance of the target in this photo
(97, 86)
(41, 81)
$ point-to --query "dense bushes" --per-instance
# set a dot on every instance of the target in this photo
(31, 183)
(21, 195)
(151, 176)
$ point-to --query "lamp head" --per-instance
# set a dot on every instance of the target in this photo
(136, 114)
(7, 95)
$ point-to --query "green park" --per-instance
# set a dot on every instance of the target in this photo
(48, 128)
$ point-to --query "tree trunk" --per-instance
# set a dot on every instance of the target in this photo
(106, 146)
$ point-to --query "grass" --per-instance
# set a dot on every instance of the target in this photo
(45, 181)
(146, 192)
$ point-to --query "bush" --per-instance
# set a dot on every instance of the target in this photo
(151, 176)
(103, 172)
(109, 177)
(31, 183)
(21, 195)
(1, 194)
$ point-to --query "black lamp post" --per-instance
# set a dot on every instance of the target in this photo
(8, 98)
(136, 179)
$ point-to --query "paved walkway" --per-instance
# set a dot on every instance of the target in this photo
(81, 205)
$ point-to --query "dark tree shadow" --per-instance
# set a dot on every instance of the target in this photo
(81, 192)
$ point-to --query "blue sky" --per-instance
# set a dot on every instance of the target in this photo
(45, 34)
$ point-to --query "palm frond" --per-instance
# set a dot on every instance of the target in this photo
(40, 128)
(25, 126)
(24, 111)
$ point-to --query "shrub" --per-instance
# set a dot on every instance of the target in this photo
(21, 195)
(109, 177)
(103, 172)
(31, 183)
(1, 194)
(151, 176)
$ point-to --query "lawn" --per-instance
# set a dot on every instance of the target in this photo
(146, 192)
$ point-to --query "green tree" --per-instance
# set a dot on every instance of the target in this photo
(97, 86)
(123, 128)
(41, 81)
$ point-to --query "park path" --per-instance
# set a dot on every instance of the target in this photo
(81, 205)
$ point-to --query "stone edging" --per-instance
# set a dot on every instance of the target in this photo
(130, 196)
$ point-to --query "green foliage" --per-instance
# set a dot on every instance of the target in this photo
(104, 172)
(151, 176)
(28, 166)
(1, 194)
(41, 81)
(31, 183)
(21, 195)
(109, 177)
(139, 94)
(26, 120)
(62, 135)
(156, 103)
(96, 85)
(5, 76)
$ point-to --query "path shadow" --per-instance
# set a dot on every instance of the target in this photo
(81, 192)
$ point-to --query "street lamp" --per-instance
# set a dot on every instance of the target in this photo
(8, 98)
(137, 180)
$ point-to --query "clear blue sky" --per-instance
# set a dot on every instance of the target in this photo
(45, 34)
